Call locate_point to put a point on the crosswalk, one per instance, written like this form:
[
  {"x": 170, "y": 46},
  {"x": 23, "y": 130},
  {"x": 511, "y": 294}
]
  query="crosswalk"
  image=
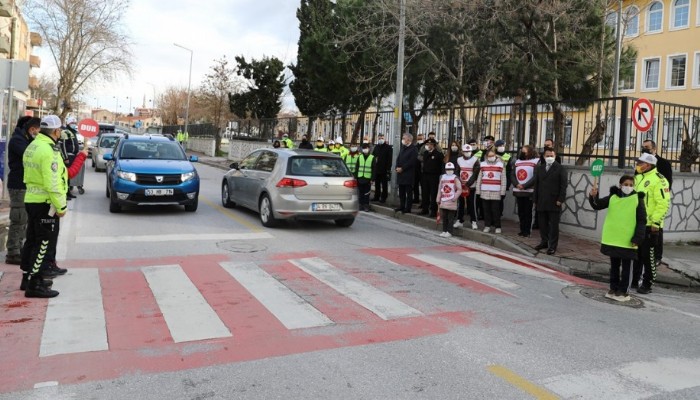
[{"x": 141, "y": 315}]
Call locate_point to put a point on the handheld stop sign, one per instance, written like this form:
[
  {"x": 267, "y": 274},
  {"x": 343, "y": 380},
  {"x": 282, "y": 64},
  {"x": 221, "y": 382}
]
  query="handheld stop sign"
[{"x": 88, "y": 127}]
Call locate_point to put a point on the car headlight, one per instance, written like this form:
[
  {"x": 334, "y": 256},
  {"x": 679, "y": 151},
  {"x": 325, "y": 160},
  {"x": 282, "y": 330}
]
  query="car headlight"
[
  {"x": 188, "y": 176},
  {"x": 127, "y": 176}
]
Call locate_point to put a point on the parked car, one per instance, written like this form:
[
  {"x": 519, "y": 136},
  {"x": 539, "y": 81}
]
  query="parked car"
[
  {"x": 91, "y": 143},
  {"x": 150, "y": 170},
  {"x": 105, "y": 144},
  {"x": 283, "y": 184}
]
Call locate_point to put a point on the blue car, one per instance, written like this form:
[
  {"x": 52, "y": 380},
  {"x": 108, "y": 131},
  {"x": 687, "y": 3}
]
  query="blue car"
[{"x": 150, "y": 170}]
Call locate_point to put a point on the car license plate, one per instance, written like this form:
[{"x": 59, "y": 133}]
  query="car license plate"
[
  {"x": 159, "y": 192},
  {"x": 325, "y": 207}
]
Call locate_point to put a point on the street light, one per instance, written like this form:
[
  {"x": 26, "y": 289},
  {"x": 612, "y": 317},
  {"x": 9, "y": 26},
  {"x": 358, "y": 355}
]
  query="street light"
[
  {"x": 398, "y": 111},
  {"x": 116, "y": 109},
  {"x": 189, "y": 83},
  {"x": 154, "y": 95}
]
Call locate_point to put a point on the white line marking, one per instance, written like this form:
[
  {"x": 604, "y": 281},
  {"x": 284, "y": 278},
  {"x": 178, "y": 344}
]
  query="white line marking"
[
  {"x": 1, "y": 273},
  {"x": 67, "y": 233},
  {"x": 75, "y": 320},
  {"x": 188, "y": 315},
  {"x": 655, "y": 304},
  {"x": 466, "y": 271},
  {"x": 290, "y": 309},
  {"x": 503, "y": 264},
  {"x": 173, "y": 237},
  {"x": 369, "y": 297},
  {"x": 45, "y": 384},
  {"x": 667, "y": 374}
]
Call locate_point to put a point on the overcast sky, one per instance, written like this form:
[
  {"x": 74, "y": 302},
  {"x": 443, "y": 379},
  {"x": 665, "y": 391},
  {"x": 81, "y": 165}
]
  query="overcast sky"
[{"x": 211, "y": 28}]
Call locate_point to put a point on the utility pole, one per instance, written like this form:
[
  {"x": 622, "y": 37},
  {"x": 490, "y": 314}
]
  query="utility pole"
[
  {"x": 398, "y": 106},
  {"x": 618, "y": 48}
]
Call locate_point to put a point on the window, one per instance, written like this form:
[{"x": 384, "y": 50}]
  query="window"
[
  {"x": 680, "y": 14},
  {"x": 266, "y": 162},
  {"x": 611, "y": 21},
  {"x": 627, "y": 82},
  {"x": 632, "y": 21},
  {"x": 504, "y": 128},
  {"x": 651, "y": 74},
  {"x": 673, "y": 133},
  {"x": 655, "y": 17},
  {"x": 676, "y": 71},
  {"x": 696, "y": 74},
  {"x": 317, "y": 166},
  {"x": 249, "y": 161}
]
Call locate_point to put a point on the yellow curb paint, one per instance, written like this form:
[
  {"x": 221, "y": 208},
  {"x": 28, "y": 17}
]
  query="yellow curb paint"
[
  {"x": 522, "y": 383},
  {"x": 233, "y": 216}
]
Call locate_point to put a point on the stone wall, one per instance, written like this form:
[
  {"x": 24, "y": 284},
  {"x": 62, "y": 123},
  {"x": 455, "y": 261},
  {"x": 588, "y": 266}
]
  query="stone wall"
[
  {"x": 237, "y": 149},
  {"x": 206, "y": 146},
  {"x": 578, "y": 217}
]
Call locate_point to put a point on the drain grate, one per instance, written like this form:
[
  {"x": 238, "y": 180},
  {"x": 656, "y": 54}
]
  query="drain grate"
[
  {"x": 599, "y": 295},
  {"x": 235, "y": 246}
]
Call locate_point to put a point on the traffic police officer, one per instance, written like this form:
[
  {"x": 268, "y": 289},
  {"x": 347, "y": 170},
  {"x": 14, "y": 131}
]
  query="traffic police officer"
[
  {"x": 288, "y": 141},
  {"x": 351, "y": 158},
  {"x": 657, "y": 198},
  {"x": 46, "y": 178}
]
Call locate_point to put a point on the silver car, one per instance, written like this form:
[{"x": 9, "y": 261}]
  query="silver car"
[
  {"x": 105, "y": 144},
  {"x": 284, "y": 184}
]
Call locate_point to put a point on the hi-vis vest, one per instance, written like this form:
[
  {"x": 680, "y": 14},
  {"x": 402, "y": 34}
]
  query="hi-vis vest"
[
  {"x": 351, "y": 162},
  {"x": 618, "y": 228},
  {"x": 448, "y": 188},
  {"x": 365, "y": 166},
  {"x": 491, "y": 176},
  {"x": 321, "y": 149},
  {"x": 524, "y": 172},
  {"x": 466, "y": 168}
]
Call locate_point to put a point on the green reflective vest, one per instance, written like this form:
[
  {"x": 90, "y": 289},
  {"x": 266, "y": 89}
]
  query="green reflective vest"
[
  {"x": 289, "y": 142},
  {"x": 321, "y": 149},
  {"x": 351, "y": 162},
  {"x": 619, "y": 225},
  {"x": 45, "y": 173},
  {"x": 365, "y": 167},
  {"x": 505, "y": 157},
  {"x": 657, "y": 196}
]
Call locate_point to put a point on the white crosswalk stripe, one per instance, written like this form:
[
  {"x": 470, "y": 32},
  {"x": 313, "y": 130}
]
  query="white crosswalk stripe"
[
  {"x": 466, "y": 271},
  {"x": 290, "y": 309},
  {"x": 75, "y": 320},
  {"x": 507, "y": 265},
  {"x": 378, "y": 302},
  {"x": 188, "y": 315}
]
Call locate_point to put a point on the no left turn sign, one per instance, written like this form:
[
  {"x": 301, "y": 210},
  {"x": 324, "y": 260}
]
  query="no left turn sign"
[{"x": 642, "y": 115}]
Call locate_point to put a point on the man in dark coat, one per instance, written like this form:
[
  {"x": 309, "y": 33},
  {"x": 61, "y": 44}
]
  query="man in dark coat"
[
  {"x": 305, "y": 144},
  {"x": 432, "y": 169},
  {"x": 405, "y": 173},
  {"x": 550, "y": 193},
  {"x": 383, "y": 152},
  {"x": 665, "y": 169}
]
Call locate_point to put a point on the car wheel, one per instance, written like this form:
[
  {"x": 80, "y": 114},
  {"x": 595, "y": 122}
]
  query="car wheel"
[
  {"x": 267, "y": 217},
  {"x": 193, "y": 206},
  {"x": 107, "y": 190},
  {"x": 93, "y": 164},
  {"x": 346, "y": 222},
  {"x": 226, "y": 196},
  {"x": 114, "y": 207}
]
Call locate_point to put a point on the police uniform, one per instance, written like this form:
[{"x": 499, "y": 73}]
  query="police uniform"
[
  {"x": 46, "y": 177},
  {"x": 364, "y": 171}
]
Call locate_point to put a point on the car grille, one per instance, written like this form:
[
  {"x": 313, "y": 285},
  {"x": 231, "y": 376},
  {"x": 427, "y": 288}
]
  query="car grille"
[{"x": 150, "y": 179}]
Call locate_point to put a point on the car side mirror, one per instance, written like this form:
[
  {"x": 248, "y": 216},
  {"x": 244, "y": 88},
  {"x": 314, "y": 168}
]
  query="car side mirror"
[
  {"x": 108, "y": 157},
  {"x": 194, "y": 158},
  {"x": 233, "y": 165}
]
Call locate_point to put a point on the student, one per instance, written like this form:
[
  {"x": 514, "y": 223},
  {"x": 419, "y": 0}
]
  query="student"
[
  {"x": 621, "y": 237},
  {"x": 449, "y": 191}
]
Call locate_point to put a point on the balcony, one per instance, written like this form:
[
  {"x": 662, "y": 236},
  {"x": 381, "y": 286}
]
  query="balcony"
[
  {"x": 4, "y": 44},
  {"x": 35, "y": 61},
  {"x": 35, "y": 39},
  {"x": 6, "y": 8},
  {"x": 33, "y": 82}
]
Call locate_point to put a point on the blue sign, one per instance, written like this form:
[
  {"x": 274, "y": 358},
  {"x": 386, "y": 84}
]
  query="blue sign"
[{"x": 138, "y": 124}]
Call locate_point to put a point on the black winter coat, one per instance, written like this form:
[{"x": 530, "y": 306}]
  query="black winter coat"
[
  {"x": 18, "y": 144},
  {"x": 407, "y": 161},
  {"x": 433, "y": 163},
  {"x": 639, "y": 229},
  {"x": 550, "y": 187},
  {"x": 382, "y": 158}
]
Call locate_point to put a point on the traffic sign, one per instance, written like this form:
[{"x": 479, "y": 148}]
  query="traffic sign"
[
  {"x": 597, "y": 168},
  {"x": 642, "y": 115},
  {"x": 88, "y": 127}
]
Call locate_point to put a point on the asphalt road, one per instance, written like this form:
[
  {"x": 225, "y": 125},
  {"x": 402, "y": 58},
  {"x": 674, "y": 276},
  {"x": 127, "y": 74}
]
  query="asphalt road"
[{"x": 163, "y": 303}]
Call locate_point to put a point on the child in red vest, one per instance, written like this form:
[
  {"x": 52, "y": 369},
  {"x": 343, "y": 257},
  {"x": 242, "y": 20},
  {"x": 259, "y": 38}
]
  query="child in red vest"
[{"x": 449, "y": 191}]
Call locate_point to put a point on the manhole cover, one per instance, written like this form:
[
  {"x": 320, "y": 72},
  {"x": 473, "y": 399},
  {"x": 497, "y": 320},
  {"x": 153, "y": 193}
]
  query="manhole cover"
[
  {"x": 241, "y": 247},
  {"x": 599, "y": 295}
]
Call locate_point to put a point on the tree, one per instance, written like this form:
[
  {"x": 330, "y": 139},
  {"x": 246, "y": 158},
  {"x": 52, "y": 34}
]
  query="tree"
[
  {"x": 262, "y": 97},
  {"x": 172, "y": 103},
  {"x": 86, "y": 40},
  {"x": 212, "y": 96},
  {"x": 46, "y": 90}
]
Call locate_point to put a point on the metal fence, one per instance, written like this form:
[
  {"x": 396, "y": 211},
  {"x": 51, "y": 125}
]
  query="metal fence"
[
  {"x": 194, "y": 130},
  {"x": 571, "y": 124}
]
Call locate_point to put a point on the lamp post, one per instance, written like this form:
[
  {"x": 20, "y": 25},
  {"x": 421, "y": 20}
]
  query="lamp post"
[
  {"x": 116, "y": 109},
  {"x": 189, "y": 83},
  {"x": 398, "y": 110},
  {"x": 129, "y": 112}
]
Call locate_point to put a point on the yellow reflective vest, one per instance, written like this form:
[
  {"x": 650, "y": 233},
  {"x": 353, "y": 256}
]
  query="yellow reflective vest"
[
  {"x": 45, "y": 173},
  {"x": 657, "y": 196}
]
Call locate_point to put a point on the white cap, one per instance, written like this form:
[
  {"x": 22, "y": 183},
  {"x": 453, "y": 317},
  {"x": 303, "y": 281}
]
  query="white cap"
[
  {"x": 71, "y": 120},
  {"x": 647, "y": 158},
  {"x": 51, "y": 122},
  {"x": 331, "y": 142},
  {"x": 339, "y": 140},
  {"x": 467, "y": 147},
  {"x": 449, "y": 165},
  {"x": 320, "y": 139}
]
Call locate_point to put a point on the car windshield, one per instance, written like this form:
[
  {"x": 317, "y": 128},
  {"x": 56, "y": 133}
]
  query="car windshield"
[
  {"x": 152, "y": 150},
  {"x": 317, "y": 166},
  {"x": 108, "y": 142}
]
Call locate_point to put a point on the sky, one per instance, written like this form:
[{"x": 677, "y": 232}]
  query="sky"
[{"x": 211, "y": 28}]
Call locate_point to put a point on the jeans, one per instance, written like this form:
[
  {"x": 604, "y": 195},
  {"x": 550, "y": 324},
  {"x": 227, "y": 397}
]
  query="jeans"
[{"x": 18, "y": 222}]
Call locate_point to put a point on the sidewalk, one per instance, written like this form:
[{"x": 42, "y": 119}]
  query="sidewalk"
[{"x": 575, "y": 255}]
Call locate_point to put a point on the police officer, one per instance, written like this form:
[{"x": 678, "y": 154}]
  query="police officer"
[
  {"x": 320, "y": 145},
  {"x": 69, "y": 146},
  {"x": 351, "y": 159},
  {"x": 657, "y": 199},
  {"x": 288, "y": 141},
  {"x": 365, "y": 165},
  {"x": 46, "y": 178}
]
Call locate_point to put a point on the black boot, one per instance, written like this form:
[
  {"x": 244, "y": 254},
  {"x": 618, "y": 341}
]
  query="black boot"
[
  {"x": 42, "y": 282},
  {"x": 56, "y": 269},
  {"x": 35, "y": 289}
]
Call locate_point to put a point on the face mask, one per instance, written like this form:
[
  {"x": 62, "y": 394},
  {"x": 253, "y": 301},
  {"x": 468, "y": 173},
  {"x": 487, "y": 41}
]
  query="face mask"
[
  {"x": 380, "y": 141},
  {"x": 365, "y": 151},
  {"x": 429, "y": 148},
  {"x": 501, "y": 149},
  {"x": 455, "y": 148},
  {"x": 487, "y": 144},
  {"x": 492, "y": 159},
  {"x": 549, "y": 160},
  {"x": 523, "y": 156},
  {"x": 74, "y": 126},
  {"x": 420, "y": 141},
  {"x": 647, "y": 151},
  {"x": 304, "y": 140},
  {"x": 639, "y": 169},
  {"x": 627, "y": 189},
  {"x": 450, "y": 172},
  {"x": 353, "y": 149},
  {"x": 467, "y": 154}
]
